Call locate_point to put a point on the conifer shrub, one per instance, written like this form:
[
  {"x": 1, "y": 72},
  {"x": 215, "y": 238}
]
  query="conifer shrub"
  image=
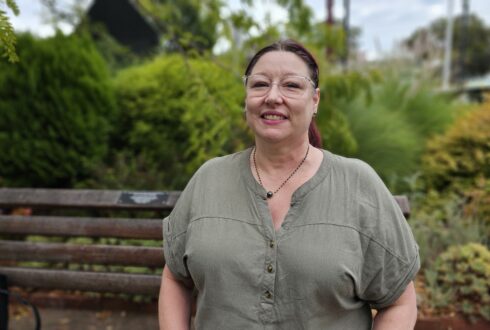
[
  {"x": 458, "y": 161},
  {"x": 56, "y": 105},
  {"x": 462, "y": 154}
]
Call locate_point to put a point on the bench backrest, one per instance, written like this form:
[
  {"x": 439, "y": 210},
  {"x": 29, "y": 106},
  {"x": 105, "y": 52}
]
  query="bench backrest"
[{"x": 14, "y": 248}]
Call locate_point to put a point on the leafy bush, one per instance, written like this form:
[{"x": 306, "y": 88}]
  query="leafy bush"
[
  {"x": 439, "y": 221},
  {"x": 55, "y": 109},
  {"x": 175, "y": 114},
  {"x": 459, "y": 161},
  {"x": 459, "y": 281},
  {"x": 461, "y": 155}
]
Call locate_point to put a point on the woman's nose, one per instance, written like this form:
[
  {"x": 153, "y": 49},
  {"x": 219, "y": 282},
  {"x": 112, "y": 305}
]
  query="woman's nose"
[{"x": 274, "y": 94}]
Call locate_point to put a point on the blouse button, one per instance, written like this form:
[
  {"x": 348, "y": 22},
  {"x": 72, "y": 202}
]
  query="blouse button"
[
  {"x": 270, "y": 269},
  {"x": 271, "y": 244},
  {"x": 268, "y": 294}
]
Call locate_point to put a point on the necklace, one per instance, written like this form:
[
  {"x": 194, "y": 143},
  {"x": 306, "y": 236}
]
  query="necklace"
[{"x": 271, "y": 193}]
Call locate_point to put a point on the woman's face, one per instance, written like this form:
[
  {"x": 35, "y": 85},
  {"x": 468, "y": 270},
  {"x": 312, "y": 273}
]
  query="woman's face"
[{"x": 281, "y": 99}]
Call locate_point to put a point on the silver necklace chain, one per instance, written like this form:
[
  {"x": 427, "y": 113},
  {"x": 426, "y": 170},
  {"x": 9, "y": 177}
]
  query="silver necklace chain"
[{"x": 272, "y": 193}]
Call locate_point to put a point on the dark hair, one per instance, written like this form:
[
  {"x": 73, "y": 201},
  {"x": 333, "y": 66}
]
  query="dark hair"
[{"x": 296, "y": 48}]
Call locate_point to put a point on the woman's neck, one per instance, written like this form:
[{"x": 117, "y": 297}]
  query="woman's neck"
[{"x": 274, "y": 157}]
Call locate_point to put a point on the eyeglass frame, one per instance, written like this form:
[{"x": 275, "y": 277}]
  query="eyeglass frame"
[{"x": 245, "y": 79}]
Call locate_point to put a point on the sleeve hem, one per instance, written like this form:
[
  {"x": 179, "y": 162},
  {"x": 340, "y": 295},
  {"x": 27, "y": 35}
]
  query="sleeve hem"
[
  {"x": 168, "y": 252},
  {"x": 393, "y": 296}
]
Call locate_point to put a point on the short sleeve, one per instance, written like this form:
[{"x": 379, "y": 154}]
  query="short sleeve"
[
  {"x": 174, "y": 250},
  {"x": 174, "y": 233},
  {"x": 390, "y": 258}
]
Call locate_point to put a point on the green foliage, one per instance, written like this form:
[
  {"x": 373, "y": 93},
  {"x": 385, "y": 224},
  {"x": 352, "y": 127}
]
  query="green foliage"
[
  {"x": 7, "y": 35},
  {"x": 187, "y": 25},
  {"x": 116, "y": 55},
  {"x": 439, "y": 221},
  {"x": 55, "y": 109},
  {"x": 175, "y": 114},
  {"x": 460, "y": 279},
  {"x": 59, "y": 13},
  {"x": 391, "y": 125},
  {"x": 459, "y": 161},
  {"x": 462, "y": 154},
  {"x": 334, "y": 125},
  {"x": 300, "y": 16}
]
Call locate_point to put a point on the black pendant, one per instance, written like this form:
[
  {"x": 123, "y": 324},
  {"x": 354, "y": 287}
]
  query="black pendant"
[{"x": 269, "y": 194}]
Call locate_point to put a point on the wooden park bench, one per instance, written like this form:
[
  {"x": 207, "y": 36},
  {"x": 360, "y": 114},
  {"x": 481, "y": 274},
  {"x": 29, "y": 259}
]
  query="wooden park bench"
[
  {"x": 56, "y": 213},
  {"x": 69, "y": 214}
]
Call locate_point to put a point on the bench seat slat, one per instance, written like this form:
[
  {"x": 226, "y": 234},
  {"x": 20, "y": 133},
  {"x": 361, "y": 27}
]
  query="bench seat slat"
[
  {"x": 85, "y": 254},
  {"x": 77, "y": 226},
  {"x": 87, "y": 199},
  {"x": 84, "y": 281}
]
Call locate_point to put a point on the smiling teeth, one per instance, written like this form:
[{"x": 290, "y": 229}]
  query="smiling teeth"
[{"x": 273, "y": 117}]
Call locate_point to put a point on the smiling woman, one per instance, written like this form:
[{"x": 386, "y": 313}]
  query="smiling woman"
[{"x": 285, "y": 235}]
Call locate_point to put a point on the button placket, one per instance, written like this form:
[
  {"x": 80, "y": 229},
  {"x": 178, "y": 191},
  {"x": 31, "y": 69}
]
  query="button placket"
[
  {"x": 267, "y": 292},
  {"x": 269, "y": 271}
]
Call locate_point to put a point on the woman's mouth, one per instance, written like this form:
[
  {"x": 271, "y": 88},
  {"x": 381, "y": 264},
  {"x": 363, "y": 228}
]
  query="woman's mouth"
[{"x": 273, "y": 117}]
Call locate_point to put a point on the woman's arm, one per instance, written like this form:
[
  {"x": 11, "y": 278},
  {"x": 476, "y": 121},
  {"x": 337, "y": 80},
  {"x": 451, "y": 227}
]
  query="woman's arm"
[
  {"x": 174, "y": 303},
  {"x": 402, "y": 315}
]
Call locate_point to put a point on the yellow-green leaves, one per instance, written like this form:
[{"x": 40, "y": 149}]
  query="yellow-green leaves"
[{"x": 7, "y": 34}]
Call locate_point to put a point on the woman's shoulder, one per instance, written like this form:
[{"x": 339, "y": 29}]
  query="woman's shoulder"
[
  {"x": 222, "y": 166},
  {"x": 343, "y": 165}
]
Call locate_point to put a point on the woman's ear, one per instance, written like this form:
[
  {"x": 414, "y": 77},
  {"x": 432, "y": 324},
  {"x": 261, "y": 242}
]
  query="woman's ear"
[
  {"x": 316, "y": 100},
  {"x": 316, "y": 96}
]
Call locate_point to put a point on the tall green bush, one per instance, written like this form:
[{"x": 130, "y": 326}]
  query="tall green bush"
[
  {"x": 56, "y": 105},
  {"x": 175, "y": 114}
]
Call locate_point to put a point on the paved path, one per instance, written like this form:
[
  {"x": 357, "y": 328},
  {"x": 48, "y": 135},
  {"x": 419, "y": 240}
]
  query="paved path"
[{"x": 21, "y": 318}]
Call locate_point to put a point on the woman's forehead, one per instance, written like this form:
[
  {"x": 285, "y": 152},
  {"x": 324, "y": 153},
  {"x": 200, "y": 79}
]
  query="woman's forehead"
[{"x": 280, "y": 63}]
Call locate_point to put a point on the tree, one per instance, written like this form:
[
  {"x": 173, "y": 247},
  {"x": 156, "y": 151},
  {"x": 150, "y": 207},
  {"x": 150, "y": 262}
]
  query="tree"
[
  {"x": 71, "y": 14},
  {"x": 426, "y": 42},
  {"x": 7, "y": 35},
  {"x": 186, "y": 24}
]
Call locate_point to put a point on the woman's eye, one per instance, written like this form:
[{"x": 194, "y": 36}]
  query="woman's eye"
[
  {"x": 292, "y": 85},
  {"x": 259, "y": 84}
]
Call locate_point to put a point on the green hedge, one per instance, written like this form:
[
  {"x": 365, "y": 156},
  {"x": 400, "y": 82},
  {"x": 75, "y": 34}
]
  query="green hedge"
[
  {"x": 55, "y": 109},
  {"x": 175, "y": 114}
]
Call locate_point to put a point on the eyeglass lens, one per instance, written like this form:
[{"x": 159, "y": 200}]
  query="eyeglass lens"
[{"x": 290, "y": 86}]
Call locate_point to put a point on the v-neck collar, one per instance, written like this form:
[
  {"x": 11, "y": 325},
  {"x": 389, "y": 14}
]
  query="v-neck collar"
[{"x": 300, "y": 193}]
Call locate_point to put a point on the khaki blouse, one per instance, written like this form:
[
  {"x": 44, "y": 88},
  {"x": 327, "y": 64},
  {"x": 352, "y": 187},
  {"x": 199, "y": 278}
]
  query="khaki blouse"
[{"x": 343, "y": 248}]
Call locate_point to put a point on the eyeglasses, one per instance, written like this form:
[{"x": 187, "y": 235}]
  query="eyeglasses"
[{"x": 290, "y": 86}]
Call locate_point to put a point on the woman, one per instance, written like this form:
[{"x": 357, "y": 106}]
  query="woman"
[{"x": 285, "y": 235}]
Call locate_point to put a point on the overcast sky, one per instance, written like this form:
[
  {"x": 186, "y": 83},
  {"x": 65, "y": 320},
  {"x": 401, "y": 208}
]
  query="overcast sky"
[{"x": 383, "y": 22}]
